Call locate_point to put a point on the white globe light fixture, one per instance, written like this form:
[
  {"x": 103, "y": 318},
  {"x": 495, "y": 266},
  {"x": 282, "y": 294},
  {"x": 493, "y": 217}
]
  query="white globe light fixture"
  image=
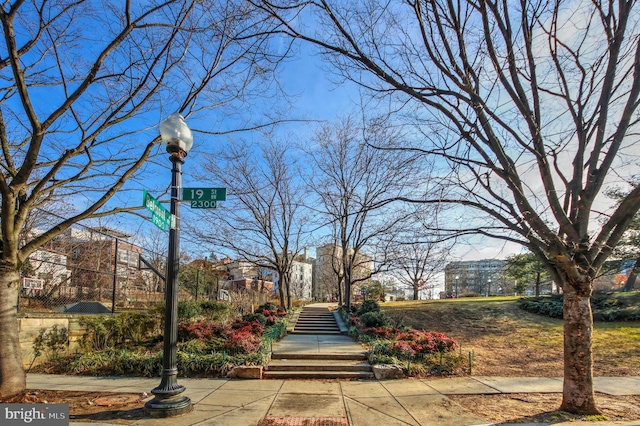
[{"x": 176, "y": 135}]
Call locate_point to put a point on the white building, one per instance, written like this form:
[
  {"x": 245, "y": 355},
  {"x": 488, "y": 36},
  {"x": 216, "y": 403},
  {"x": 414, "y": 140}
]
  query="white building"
[
  {"x": 301, "y": 280},
  {"x": 48, "y": 272}
]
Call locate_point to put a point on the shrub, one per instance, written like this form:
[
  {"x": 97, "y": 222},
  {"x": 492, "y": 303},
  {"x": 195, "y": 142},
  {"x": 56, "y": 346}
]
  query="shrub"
[
  {"x": 548, "y": 305},
  {"x": 193, "y": 347},
  {"x": 216, "y": 311},
  {"x": 403, "y": 348},
  {"x": 255, "y": 317},
  {"x": 272, "y": 317},
  {"x": 381, "y": 333},
  {"x": 240, "y": 337},
  {"x": 137, "y": 326},
  {"x": 606, "y": 307},
  {"x": 123, "y": 362},
  {"x": 428, "y": 342},
  {"x": 52, "y": 342},
  {"x": 254, "y": 326},
  {"x": 414, "y": 344},
  {"x": 375, "y": 319},
  {"x": 201, "y": 330},
  {"x": 113, "y": 330},
  {"x": 188, "y": 309},
  {"x": 469, "y": 295},
  {"x": 245, "y": 338},
  {"x": 369, "y": 305},
  {"x": 269, "y": 306}
]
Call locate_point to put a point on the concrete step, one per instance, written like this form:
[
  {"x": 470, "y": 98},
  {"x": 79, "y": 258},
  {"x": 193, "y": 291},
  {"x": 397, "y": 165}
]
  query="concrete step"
[
  {"x": 317, "y": 330},
  {"x": 316, "y": 324},
  {"x": 319, "y": 356},
  {"x": 316, "y": 318},
  {"x": 320, "y": 319},
  {"x": 316, "y": 327},
  {"x": 360, "y": 375},
  {"x": 318, "y": 365}
]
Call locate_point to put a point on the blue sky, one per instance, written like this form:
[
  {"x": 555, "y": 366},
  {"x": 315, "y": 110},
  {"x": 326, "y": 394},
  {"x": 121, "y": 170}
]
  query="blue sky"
[{"x": 315, "y": 97}]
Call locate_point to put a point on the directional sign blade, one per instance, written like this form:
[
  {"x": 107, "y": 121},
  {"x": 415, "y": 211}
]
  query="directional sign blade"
[
  {"x": 204, "y": 194},
  {"x": 161, "y": 217}
]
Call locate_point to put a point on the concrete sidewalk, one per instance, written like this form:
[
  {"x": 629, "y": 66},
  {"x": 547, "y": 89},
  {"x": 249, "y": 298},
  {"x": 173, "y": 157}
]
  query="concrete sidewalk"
[{"x": 348, "y": 403}]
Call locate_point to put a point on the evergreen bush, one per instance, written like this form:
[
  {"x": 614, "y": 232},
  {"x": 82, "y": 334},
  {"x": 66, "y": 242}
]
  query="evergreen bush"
[
  {"x": 368, "y": 305},
  {"x": 375, "y": 319}
]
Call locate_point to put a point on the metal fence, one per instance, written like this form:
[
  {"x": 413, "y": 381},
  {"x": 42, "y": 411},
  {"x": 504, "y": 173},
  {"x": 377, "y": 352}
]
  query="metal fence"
[{"x": 97, "y": 270}]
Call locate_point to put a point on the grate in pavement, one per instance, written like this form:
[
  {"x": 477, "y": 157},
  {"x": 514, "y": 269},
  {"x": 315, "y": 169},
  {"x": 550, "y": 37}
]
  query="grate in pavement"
[{"x": 304, "y": 421}]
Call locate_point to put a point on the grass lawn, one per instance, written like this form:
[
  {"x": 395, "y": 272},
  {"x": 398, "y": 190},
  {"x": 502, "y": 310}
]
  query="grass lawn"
[{"x": 508, "y": 341}]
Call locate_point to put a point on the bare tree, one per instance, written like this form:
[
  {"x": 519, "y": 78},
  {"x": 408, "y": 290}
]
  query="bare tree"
[
  {"x": 416, "y": 253},
  {"x": 263, "y": 220},
  {"x": 352, "y": 179},
  {"x": 418, "y": 262},
  {"x": 84, "y": 86},
  {"x": 534, "y": 108}
]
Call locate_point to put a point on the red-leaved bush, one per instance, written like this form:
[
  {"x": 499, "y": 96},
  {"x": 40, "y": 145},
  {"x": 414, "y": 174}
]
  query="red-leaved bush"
[
  {"x": 381, "y": 332},
  {"x": 427, "y": 342},
  {"x": 243, "y": 336},
  {"x": 404, "y": 348},
  {"x": 272, "y": 316},
  {"x": 200, "y": 330}
]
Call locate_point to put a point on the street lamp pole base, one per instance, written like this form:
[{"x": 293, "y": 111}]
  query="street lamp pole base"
[{"x": 167, "y": 407}]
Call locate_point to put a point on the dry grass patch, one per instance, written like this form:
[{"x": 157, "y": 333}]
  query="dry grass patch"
[{"x": 508, "y": 341}]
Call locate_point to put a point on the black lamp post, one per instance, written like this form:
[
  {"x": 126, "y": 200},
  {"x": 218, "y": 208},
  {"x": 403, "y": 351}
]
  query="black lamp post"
[{"x": 168, "y": 399}]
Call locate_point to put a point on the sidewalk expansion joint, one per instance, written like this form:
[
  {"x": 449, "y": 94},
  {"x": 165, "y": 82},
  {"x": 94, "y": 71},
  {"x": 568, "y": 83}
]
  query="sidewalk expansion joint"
[{"x": 303, "y": 421}]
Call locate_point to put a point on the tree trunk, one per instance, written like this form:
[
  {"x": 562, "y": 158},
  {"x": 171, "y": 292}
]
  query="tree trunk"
[
  {"x": 281, "y": 294},
  {"x": 538, "y": 284},
  {"x": 288, "y": 287},
  {"x": 631, "y": 281},
  {"x": 13, "y": 379},
  {"x": 347, "y": 293},
  {"x": 415, "y": 292},
  {"x": 578, "y": 395}
]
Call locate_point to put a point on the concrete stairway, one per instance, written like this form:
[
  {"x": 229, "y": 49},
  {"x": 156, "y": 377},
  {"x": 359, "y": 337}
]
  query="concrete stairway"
[
  {"x": 317, "y": 350},
  {"x": 316, "y": 321}
]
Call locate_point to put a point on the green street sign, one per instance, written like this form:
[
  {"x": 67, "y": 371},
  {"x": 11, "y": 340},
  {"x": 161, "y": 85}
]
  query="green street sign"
[
  {"x": 203, "y": 204},
  {"x": 161, "y": 217},
  {"x": 204, "y": 194}
]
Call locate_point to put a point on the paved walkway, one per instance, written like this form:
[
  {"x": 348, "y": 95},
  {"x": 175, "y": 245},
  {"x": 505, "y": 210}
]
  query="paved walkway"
[
  {"x": 317, "y": 344},
  {"x": 418, "y": 402}
]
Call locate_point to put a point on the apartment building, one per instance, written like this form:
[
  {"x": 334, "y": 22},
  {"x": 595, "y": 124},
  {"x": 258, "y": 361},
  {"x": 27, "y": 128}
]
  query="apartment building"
[{"x": 482, "y": 277}]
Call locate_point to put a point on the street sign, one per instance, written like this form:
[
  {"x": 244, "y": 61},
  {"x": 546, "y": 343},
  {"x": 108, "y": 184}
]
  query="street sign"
[
  {"x": 204, "y": 194},
  {"x": 203, "y": 204},
  {"x": 160, "y": 217}
]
